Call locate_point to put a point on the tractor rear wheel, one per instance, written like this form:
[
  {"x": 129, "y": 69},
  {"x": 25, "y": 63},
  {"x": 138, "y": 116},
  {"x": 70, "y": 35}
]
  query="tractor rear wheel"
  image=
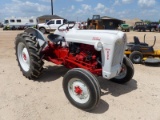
[
  {"x": 43, "y": 30},
  {"x": 126, "y": 73},
  {"x": 81, "y": 88},
  {"x": 28, "y": 55},
  {"x": 136, "y": 57}
]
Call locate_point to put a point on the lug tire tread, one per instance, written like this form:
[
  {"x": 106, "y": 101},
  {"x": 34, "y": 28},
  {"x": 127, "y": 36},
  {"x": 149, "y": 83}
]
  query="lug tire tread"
[
  {"x": 36, "y": 63},
  {"x": 93, "y": 84}
]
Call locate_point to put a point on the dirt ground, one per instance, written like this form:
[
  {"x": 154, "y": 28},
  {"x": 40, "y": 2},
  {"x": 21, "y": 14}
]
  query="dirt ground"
[{"x": 23, "y": 99}]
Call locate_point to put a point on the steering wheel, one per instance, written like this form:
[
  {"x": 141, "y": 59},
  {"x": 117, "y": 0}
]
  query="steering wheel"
[{"x": 68, "y": 27}]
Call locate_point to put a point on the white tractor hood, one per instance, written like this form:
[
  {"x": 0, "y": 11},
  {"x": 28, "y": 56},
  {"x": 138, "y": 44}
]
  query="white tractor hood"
[{"x": 92, "y": 36}]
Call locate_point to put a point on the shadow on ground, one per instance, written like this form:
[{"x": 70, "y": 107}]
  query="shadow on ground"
[
  {"x": 152, "y": 65},
  {"x": 109, "y": 87},
  {"x": 52, "y": 73},
  {"x": 102, "y": 107}
]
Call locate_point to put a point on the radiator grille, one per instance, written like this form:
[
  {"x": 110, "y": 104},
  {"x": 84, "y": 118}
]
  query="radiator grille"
[{"x": 118, "y": 52}]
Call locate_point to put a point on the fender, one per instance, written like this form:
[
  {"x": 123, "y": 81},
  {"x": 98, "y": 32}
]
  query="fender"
[{"x": 40, "y": 37}]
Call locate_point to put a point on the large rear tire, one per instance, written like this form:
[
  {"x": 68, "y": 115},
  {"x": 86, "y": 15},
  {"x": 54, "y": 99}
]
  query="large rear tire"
[
  {"x": 81, "y": 88},
  {"x": 126, "y": 73},
  {"x": 29, "y": 55}
]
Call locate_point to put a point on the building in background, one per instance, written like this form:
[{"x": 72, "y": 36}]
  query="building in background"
[
  {"x": 111, "y": 23},
  {"x": 46, "y": 18},
  {"x": 104, "y": 22}
]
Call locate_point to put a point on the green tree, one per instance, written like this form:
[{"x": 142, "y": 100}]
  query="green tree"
[{"x": 147, "y": 21}]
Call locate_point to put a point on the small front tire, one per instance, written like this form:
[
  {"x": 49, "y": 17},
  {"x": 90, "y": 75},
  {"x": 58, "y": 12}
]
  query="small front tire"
[
  {"x": 81, "y": 88},
  {"x": 126, "y": 73}
]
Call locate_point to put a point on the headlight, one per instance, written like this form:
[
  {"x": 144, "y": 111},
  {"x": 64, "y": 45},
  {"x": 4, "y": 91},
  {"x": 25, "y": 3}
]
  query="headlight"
[{"x": 98, "y": 46}]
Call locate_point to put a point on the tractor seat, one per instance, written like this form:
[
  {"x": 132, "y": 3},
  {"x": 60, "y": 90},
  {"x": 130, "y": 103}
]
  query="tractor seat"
[
  {"x": 55, "y": 38},
  {"x": 137, "y": 42}
]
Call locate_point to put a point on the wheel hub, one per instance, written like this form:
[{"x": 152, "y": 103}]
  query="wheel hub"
[
  {"x": 122, "y": 73},
  {"x": 137, "y": 58},
  {"x": 23, "y": 57},
  {"x": 122, "y": 70},
  {"x": 78, "y": 90}
]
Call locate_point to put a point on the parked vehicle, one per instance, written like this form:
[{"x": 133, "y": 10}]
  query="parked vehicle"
[
  {"x": 125, "y": 27},
  {"x": 141, "y": 52},
  {"x": 16, "y": 23},
  {"x": 140, "y": 26},
  {"x": 152, "y": 27},
  {"x": 88, "y": 53},
  {"x": 158, "y": 27},
  {"x": 1, "y": 25},
  {"x": 51, "y": 25},
  {"x": 95, "y": 23},
  {"x": 6, "y": 27}
]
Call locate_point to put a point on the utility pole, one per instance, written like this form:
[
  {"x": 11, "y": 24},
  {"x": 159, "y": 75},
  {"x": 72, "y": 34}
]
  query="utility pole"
[{"x": 52, "y": 6}]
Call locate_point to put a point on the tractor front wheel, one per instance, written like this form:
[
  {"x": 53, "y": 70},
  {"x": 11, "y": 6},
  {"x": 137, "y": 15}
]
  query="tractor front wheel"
[
  {"x": 136, "y": 57},
  {"x": 126, "y": 73},
  {"x": 81, "y": 88},
  {"x": 28, "y": 55}
]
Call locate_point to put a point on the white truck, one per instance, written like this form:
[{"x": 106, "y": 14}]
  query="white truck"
[{"x": 51, "y": 25}]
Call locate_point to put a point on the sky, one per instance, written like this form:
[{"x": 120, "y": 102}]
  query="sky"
[{"x": 81, "y": 10}]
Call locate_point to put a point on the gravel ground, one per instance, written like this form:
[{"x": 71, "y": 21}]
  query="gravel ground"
[{"x": 23, "y": 99}]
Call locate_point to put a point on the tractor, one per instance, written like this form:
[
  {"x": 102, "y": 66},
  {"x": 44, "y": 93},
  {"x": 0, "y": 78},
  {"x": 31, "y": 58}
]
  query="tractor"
[
  {"x": 95, "y": 23},
  {"x": 7, "y": 27},
  {"x": 87, "y": 53},
  {"x": 125, "y": 27},
  {"x": 141, "y": 52}
]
